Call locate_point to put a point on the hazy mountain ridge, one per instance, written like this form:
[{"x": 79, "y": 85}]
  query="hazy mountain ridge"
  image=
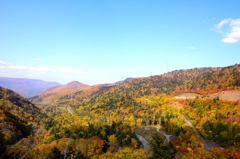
[{"x": 26, "y": 87}]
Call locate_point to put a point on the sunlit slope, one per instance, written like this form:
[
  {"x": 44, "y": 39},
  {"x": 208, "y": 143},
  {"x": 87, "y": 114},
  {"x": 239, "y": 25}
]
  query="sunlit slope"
[
  {"x": 199, "y": 80},
  {"x": 110, "y": 114},
  {"x": 69, "y": 92}
]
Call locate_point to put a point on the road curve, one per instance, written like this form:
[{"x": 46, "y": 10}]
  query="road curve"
[
  {"x": 167, "y": 136},
  {"x": 143, "y": 141}
]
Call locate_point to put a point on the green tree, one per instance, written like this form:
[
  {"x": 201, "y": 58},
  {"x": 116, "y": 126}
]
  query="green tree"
[
  {"x": 55, "y": 154},
  {"x": 162, "y": 149}
]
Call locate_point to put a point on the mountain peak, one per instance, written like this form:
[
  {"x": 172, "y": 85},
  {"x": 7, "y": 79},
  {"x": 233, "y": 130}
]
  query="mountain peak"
[
  {"x": 69, "y": 87},
  {"x": 75, "y": 84}
]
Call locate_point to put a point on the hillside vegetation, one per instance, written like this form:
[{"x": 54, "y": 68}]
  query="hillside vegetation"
[
  {"x": 16, "y": 117},
  {"x": 105, "y": 121}
]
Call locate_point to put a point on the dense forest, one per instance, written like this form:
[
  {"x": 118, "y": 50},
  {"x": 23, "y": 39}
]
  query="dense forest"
[{"x": 112, "y": 121}]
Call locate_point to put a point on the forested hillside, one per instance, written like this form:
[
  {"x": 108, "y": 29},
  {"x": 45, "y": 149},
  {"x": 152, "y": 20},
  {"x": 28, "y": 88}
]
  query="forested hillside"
[
  {"x": 199, "y": 80},
  {"x": 140, "y": 118},
  {"x": 16, "y": 117}
]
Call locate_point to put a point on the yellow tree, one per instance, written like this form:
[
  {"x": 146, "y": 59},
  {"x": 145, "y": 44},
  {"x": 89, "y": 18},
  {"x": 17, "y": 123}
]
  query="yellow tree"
[
  {"x": 113, "y": 143},
  {"x": 91, "y": 147}
]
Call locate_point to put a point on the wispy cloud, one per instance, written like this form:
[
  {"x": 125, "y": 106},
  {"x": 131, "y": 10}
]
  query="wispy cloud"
[
  {"x": 232, "y": 34},
  {"x": 21, "y": 67},
  {"x": 42, "y": 69},
  {"x": 208, "y": 20},
  {"x": 2, "y": 63},
  {"x": 38, "y": 59},
  {"x": 223, "y": 22}
]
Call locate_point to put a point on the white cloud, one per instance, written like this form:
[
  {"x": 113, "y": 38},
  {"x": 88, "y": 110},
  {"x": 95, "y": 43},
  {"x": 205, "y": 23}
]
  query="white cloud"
[
  {"x": 229, "y": 40},
  {"x": 42, "y": 69},
  {"x": 232, "y": 35},
  {"x": 38, "y": 59},
  {"x": 2, "y": 63},
  {"x": 223, "y": 22},
  {"x": 19, "y": 67}
]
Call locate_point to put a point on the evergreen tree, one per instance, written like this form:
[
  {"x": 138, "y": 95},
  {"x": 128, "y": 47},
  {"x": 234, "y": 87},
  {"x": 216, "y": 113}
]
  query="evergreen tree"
[
  {"x": 161, "y": 149},
  {"x": 55, "y": 154}
]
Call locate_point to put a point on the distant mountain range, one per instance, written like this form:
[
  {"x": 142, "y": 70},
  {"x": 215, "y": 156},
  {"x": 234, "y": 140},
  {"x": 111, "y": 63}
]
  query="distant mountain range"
[
  {"x": 26, "y": 87},
  {"x": 32, "y": 87}
]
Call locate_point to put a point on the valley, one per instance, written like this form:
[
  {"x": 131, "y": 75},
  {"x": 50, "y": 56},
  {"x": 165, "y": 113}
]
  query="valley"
[{"x": 191, "y": 113}]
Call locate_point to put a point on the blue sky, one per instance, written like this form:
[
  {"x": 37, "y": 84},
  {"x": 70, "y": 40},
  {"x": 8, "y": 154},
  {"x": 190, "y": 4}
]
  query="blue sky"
[{"x": 102, "y": 41}]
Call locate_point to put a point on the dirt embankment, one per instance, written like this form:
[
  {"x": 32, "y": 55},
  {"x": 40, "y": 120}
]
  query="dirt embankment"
[{"x": 231, "y": 95}]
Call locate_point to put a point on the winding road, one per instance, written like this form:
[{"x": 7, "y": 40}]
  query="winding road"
[
  {"x": 206, "y": 147},
  {"x": 167, "y": 136},
  {"x": 143, "y": 141},
  {"x": 207, "y": 144}
]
